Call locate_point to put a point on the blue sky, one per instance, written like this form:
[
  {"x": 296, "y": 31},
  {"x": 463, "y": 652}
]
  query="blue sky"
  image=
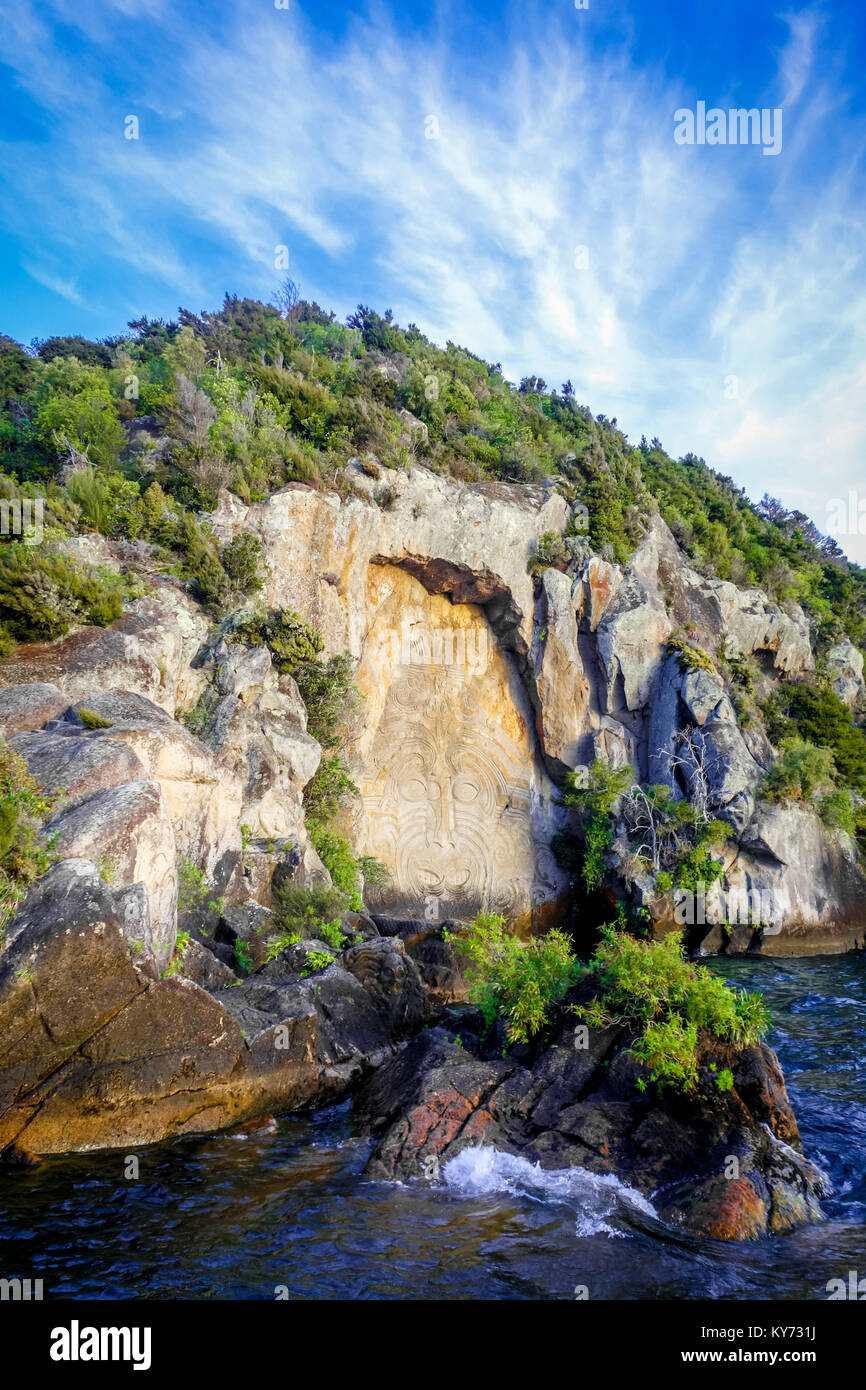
[{"x": 721, "y": 299}]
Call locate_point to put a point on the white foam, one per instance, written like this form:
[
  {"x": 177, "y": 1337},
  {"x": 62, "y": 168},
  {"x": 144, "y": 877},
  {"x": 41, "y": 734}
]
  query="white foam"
[{"x": 482, "y": 1171}]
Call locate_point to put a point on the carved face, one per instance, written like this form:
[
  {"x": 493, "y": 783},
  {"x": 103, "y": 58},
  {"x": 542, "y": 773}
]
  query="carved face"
[
  {"x": 448, "y": 808},
  {"x": 380, "y": 968}
]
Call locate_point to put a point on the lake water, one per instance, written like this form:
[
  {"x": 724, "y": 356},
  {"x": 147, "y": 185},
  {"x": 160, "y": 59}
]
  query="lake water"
[{"x": 238, "y": 1217}]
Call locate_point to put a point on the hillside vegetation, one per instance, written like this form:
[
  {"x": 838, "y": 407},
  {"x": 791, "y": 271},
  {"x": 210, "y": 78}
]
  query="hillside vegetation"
[{"x": 133, "y": 437}]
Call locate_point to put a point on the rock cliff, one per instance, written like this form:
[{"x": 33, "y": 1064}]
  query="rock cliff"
[{"x": 483, "y": 687}]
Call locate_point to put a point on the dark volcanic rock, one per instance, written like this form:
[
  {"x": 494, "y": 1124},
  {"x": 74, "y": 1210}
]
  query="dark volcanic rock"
[
  {"x": 350, "y": 1033},
  {"x": 430, "y": 1100},
  {"x": 249, "y": 923},
  {"x": 392, "y": 981},
  {"x": 436, "y": 961},
  {"x": 727, "y": 1165},
  {"x": 205, "y": 968}
]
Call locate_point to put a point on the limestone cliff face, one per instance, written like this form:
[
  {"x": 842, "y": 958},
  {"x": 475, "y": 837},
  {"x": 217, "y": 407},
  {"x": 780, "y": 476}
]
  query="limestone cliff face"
[
  {"x": 430, "y": 594},
  {"x": 482, "y": 687}
]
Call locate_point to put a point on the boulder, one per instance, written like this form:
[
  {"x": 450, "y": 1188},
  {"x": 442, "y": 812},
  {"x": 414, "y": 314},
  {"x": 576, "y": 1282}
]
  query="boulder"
[
  {"x": 240, "y": 671},
  {"x": 811, "y": 877},
  {"x": 25, "y": 707},
  {"x": 561, "y": 683},
  {"x": 204, "y": 967},
  {"x": 845, "y": 665},
  {"x": 595, "y": 589},
  {"x": 631, "y": 642},
  {"x": 732, "y": 773},
  {"x": 126, "y": 830},
  {"x": 249, "y": 923},
  {"x": 98, "y": 1054},
  {"x": 351, "y": 1034},
  {"x": 148, "y": 650},
  {"x": 72, "y": 762},
  {"x": 267, "y": 750},
  {"x": 132, "y": 905},
  {"x": 437, "y": 962},
  {"x": 703, "y": 694},
  {"x": 203, "y": 798}
]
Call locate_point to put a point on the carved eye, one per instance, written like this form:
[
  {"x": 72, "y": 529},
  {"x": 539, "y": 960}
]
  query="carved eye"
[
  {"x": 465, "y": 790},
  {"x": 416, "y": 789}
]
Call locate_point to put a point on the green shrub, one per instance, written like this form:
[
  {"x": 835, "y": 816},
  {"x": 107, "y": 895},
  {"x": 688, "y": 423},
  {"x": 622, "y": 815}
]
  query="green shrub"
[
  {"x": 91, "y": 720},
  {"x": 332, "y": 932},
  {"x": 42, "y": 594},
  {"x": 326, "y": 789},
  {"x": 742, "y": 672},
  {"x": 698, "y": 866},
  {"x": 175, "y": 965},
  {"x": 376, "y": 874},
  {"x": 800, "y": 773},
  {"x": 24, "y": 854},
  {"x": 194, "y": 891},
  {"x": 667, "y": 1049},
  {"x": 838, "y": 812},
  {"x": 107, "y": 870},
  {"x": 278, "y": 944},
  {"x": 105, "y": 499},
  {"x": 595, "y": 801},
  {"x": 285, "y": 633},
  {"x": 652, "y": 989},
  {"x": 691, "y": 657},
  {"x": 330, "y": 695},
  {"x": 316, "y": 961},
  {"x": 550, "y": 550},
  {"x": 240, "y": 560},
  {"x": 513, "y": 980},
  {"x": 306, "y": 910},
  {"x": 191, "y": 539},
  {"x": 814, "y": 714},
  {"x": 336, "y": 854},
  {"x": 243, "y": 956},
  {"x": 846, "y": 810},
  {"x": 76, "y": 409},
  {"x": 195, "y": 719}
]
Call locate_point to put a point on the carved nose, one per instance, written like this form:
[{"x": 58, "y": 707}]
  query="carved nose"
[{"x": 443, "y": 813}]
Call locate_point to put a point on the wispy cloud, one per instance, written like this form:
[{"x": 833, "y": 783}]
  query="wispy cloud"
[
  {"x": 66, "y": 289},
  {"x": 398, "y": 171}
]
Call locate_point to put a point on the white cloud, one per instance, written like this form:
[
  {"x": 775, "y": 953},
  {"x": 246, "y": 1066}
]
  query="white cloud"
[
  {"x": 67, "y": 289},
  {"x": 703, "y": 263}
]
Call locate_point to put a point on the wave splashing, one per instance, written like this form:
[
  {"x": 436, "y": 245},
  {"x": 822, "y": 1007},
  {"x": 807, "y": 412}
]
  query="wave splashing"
[{"x": 599, "y": 1198}]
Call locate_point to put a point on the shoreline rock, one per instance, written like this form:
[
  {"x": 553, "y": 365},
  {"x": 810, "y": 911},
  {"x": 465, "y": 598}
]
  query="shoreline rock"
[{"x": 729, "y": 1166}]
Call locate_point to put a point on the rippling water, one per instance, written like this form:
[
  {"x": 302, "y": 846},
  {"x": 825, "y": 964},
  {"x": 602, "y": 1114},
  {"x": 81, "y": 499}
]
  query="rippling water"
[{"x": 238, "y": 1217}]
